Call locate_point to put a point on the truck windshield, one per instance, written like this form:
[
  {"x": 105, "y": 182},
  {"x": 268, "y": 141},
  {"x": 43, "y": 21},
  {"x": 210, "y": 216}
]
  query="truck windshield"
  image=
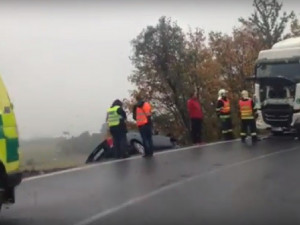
[{"x": 290, "y": 71}]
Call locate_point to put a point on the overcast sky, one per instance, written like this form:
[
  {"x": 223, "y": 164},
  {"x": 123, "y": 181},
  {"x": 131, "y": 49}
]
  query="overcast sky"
[{"x": 64, "y": 62}]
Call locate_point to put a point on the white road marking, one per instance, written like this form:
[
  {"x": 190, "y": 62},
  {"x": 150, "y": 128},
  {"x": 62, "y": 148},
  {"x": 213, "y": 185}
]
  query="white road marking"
[
  {"x": 136, "y": 200},
  {"x": 120, "y": 160}
]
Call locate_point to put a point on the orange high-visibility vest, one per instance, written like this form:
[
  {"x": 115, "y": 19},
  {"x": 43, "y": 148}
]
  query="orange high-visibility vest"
[
  {"x": 142, "y": 114},
  {"x": 226, "y": 107},
  {"x": 246, "y": 109}
]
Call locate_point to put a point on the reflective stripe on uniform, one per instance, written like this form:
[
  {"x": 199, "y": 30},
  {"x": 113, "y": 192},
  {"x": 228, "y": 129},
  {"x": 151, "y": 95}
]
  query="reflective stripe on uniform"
[
  {"x": 226, "y": 131},
  {"x": 248, "y": 118},
  {"x": 224, "y": 116}
]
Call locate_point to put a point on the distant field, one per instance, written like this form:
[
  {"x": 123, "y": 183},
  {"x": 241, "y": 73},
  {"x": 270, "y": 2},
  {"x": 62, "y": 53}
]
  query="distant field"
[{"x": 46, "y": 154}]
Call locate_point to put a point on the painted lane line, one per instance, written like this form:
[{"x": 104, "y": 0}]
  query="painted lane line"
[
  {"x": 86, "y": 167},
  {"x": 142, "y": 198}
]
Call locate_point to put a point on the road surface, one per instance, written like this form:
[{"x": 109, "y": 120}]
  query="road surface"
[{"x": 222, "y": 183}]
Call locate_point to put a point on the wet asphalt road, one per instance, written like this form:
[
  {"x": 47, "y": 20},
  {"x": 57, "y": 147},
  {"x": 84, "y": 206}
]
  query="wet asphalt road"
[{"x": 227, "y": 183}]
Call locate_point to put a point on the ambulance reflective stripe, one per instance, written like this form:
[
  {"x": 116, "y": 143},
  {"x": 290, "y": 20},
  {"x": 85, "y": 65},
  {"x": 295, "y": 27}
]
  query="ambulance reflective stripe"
[
  {"x": 113, "y": 116},
  {"x": 227, "y": 131},
  {"x": 246, "y": 109},
  {"x": 9, "y": 144}
]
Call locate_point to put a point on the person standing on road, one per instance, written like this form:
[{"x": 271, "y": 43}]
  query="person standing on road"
[
  {"x": 142, "y": 116},
  {"x": 196, "y": 117},
  {"x": 116, "y": 118},
  {"x": 224, "y": 113},
  {"x": 247, "y": 115}
]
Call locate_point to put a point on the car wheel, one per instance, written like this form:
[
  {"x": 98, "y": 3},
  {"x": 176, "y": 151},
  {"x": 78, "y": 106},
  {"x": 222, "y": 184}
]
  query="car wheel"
[
  {"x": 138, "y": 147},
  {"x": 99, "y": 156}
]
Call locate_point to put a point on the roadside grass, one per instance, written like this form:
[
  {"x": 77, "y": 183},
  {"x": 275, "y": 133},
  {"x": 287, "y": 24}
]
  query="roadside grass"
[{"x": 47, "y": 156}]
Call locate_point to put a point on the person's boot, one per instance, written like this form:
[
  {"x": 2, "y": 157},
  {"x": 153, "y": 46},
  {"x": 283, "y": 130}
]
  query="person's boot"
[
  {"x": 254, "y": 139},
  {"x": 229, "y": 136},
  {"x": 9, "y": 196},
  {"x": 125, "y": 155}
]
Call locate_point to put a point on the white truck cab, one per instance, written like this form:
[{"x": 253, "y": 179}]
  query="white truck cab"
[{"x": 277, "y": 86}]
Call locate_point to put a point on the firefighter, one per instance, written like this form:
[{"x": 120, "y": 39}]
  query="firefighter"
[
  {"x": 224, "y": 113},
  {"x": 142, "y": 116},
  {"x": 116, "y": 118},
  {"x": 247, "y": 115}
]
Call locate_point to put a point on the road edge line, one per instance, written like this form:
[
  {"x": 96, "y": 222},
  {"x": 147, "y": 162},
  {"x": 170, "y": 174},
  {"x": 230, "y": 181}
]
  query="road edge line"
[
  {"x": 142, "y": 198},
  {"x": 85, "y": 167}
]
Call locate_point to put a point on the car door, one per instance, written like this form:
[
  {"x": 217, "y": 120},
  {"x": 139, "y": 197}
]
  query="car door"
[{"x": 161, "y": 142}]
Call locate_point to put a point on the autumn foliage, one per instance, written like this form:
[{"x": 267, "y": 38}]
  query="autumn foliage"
[{"x": 170, "y": 64}]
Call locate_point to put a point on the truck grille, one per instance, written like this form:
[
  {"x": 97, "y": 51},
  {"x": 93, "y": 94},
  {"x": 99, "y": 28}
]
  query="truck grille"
[{"x": 278, "y": 115}]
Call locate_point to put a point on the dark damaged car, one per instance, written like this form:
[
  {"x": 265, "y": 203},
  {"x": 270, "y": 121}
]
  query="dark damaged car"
[{"x": 134, "y": 146}]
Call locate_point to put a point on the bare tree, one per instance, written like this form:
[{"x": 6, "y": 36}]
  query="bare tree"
[{"x": 267, "y": 21}]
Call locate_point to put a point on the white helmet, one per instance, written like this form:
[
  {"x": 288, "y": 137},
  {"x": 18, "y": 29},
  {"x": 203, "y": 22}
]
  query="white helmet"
[
  {"x": 222, "y": 92},
  {"x": 245, "y": 94}
]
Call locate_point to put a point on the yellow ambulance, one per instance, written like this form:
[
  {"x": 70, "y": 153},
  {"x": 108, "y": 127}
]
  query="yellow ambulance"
[{"x": 10, "y": 176}]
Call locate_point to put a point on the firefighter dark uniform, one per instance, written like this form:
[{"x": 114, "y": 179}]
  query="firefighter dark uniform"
[
  {"x": 224, "y": 113},
  {"x": 247, "y": 114}
]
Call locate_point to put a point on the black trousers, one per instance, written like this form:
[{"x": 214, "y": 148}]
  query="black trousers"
[
  {"x": 146, "y": 134},
  {"x": 120, "y": 142},
  {"x": 248, "y": 125},
  {"x": 9, "y": 194},
  {"x": 227, "y": 131},
  {"x": 196, "y": 131}
]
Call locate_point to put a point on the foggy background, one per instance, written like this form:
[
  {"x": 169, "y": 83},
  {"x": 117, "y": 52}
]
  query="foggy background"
[{"x": 64, "y": 62}]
